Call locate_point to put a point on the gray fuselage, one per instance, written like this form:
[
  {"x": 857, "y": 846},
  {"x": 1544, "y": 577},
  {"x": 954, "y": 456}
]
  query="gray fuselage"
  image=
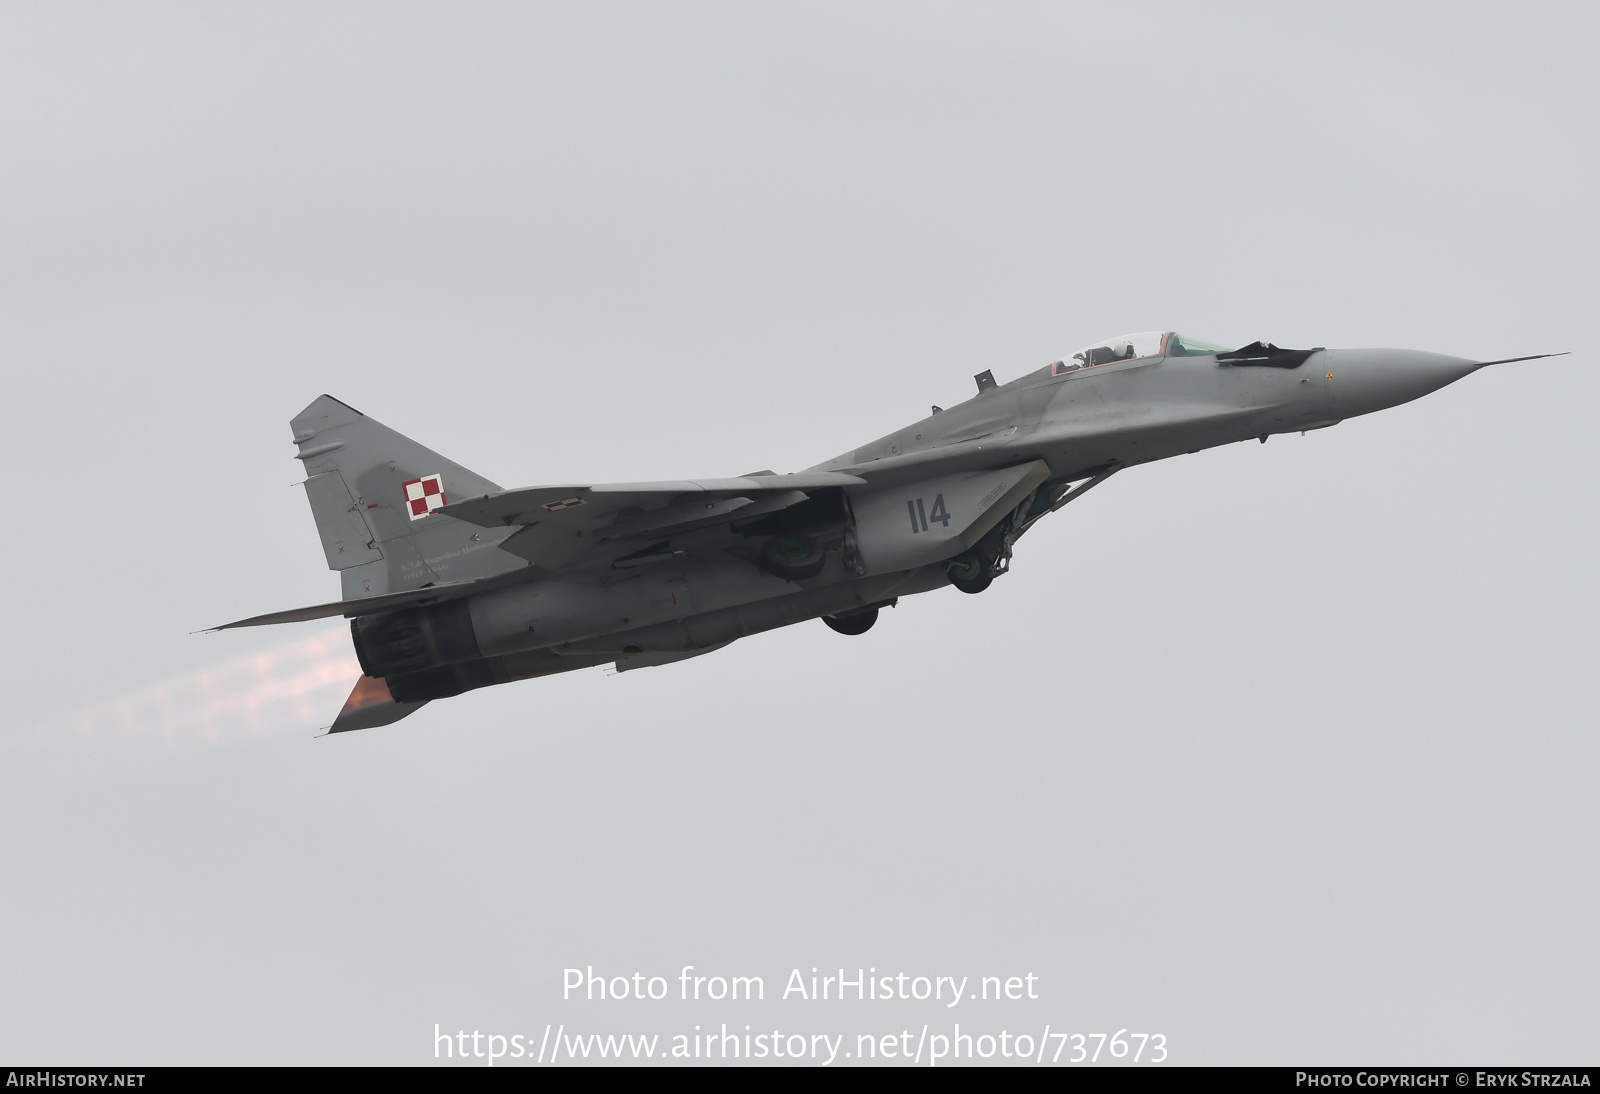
[{"x": 1007, "y": 455}]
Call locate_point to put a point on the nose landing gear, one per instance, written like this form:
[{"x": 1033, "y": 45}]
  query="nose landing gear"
[{"x": 970, "y": 572}]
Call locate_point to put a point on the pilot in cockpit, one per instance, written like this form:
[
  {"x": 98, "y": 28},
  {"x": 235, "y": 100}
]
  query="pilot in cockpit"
[{"x": 1120, "y": 350}]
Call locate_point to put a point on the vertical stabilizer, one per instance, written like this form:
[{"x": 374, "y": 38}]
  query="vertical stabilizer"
[{"x": 373, "y": 493}]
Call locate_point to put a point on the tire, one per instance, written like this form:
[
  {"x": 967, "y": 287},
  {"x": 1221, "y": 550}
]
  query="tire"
[
  {"x": 854, "y": 623},
  {"x": 970, "y": 572},
  {"x": 792, "y": 557}
]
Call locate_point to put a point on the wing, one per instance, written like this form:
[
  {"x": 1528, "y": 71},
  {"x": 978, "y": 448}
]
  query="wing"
[
  {"x": 561, "y": 525},
  {"x": 601, "y": 504},
  {"x": 566, "y": 525}
]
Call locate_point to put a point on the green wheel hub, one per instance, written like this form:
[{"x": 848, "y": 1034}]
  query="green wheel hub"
[{"x": 967, "y": 567}]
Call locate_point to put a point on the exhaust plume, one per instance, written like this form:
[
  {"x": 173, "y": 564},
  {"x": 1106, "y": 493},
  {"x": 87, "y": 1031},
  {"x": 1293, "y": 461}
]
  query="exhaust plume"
[{"x": 293, "y": 688}]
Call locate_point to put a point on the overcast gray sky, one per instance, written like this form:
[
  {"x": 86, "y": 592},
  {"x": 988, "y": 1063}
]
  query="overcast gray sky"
[{"x": 1286, "y": 752}]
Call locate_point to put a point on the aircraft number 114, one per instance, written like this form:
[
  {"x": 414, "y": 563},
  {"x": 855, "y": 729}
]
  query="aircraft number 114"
[{"x": 920, "y": 516}]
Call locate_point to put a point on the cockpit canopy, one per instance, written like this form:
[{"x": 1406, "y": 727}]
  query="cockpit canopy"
[
  {"x": 1126, "y": 347},
  {"x": 1132, "y": 347},
  {"x": 1180, "y": 345}
]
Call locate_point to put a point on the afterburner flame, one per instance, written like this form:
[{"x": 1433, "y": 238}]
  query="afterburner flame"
[{"x": 294, "y": 688}]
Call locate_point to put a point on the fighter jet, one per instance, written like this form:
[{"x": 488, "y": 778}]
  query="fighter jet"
[{"x": 452, "y": 583}]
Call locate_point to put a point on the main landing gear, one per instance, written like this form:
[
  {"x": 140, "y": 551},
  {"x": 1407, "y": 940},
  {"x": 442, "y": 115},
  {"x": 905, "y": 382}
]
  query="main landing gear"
[
  {"x": 855, "y": 623},
  {"x": 792, "y": 557}
]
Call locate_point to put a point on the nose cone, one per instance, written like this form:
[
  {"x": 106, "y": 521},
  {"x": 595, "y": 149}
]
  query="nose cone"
[{"x": 1364, "y": 380}]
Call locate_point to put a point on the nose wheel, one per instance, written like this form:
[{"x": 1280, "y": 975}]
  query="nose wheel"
[{"x": 970, "y": 572}]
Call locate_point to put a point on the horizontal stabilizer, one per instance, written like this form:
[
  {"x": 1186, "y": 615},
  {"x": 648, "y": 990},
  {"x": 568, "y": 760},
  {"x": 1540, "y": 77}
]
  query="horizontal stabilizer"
[
  {"x": 370, "y": 705},
  {"x": 383, "y": 602}
]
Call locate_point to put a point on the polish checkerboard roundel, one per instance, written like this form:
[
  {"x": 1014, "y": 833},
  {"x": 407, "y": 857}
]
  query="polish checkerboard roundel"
[{"x": 423, "y": 495}]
